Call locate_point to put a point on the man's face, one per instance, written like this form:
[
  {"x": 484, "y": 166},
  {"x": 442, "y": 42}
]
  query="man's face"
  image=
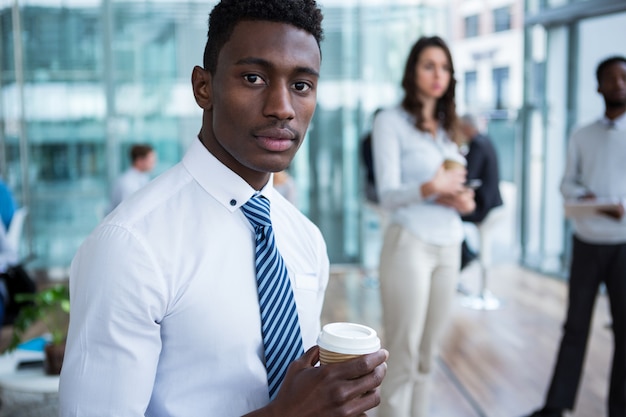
[
  {"x": 146, "y": 164},
  {"x": 613, "y": 84},
  {"x": 466, "y": 129},
  {"x": 262, "y": 98}
]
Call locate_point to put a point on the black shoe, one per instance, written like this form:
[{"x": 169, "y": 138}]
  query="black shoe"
[{"x": 547, "y": 412}]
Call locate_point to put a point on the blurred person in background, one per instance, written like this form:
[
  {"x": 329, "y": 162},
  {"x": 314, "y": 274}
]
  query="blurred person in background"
[
  {"x": 368, "y": 162},
  {"x": 7, "y": 204},
  {"x": 482, "y": 167},
  {"x": 143, "y": 159},
  {"x": 13, "y": 277},
  {"x": 420, "y": 256},
  {"x": 8, "y": 254},
  {"x": 595, "y": 169}
]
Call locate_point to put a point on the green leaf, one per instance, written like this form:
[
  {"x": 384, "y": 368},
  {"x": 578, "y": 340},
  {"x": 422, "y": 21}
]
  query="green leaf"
[{"x": 50, "y": 305}]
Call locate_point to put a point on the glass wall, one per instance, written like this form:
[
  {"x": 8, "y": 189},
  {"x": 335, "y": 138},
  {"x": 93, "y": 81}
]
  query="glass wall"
[
  {"x": 563, "y": 45},
  {"x": 81, "y": 80}
]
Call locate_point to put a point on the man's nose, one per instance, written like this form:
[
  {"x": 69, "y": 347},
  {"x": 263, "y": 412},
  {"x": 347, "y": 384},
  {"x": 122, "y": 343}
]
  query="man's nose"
[{"x": 279, "y": 102}]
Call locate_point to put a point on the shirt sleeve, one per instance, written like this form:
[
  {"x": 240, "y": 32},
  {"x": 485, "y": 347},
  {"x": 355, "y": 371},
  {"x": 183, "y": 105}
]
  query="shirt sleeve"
[
  {"x": 482, "y": 164},
  {"x": 476, "y": 166},
  {"x": 117, "y": 297},
  {"x": 387, "y": 154},
  {"x": 571, "y": 186}
]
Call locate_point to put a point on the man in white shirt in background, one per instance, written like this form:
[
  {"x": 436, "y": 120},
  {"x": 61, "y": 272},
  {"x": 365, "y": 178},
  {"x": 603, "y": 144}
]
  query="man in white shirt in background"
[
  {"x": 165, "y": 312},
  {"x": 596, "y": 168},
  {"x": 143, "y": 159}
]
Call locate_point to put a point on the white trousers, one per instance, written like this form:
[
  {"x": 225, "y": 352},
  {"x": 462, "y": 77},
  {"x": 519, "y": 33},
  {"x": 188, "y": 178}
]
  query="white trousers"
[{"x": 417, "y": 285}]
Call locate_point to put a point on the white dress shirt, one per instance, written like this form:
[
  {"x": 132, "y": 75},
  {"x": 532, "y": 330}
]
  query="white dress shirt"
[
  {"x": 404, "y": 159},
  {"x": 165, "y": 317},
  {"x": 596, "y": 163},
  {"x": 126, "y": 184}
]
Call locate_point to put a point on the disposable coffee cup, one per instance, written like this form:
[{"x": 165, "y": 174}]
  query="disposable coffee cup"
[
  {"x": 341, "y": 341},
  {"x": 453, "y": 164}
]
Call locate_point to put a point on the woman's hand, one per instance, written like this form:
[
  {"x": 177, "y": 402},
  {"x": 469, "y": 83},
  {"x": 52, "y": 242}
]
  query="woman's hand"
[
  {"x": 445, "y": 182},
  {"x": 463, "y": 201}
]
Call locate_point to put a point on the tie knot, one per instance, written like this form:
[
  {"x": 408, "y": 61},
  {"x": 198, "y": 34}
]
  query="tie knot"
[{"x": 257, "y": 210}]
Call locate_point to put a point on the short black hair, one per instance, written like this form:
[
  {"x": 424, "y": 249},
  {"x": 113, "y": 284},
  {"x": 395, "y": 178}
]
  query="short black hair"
[
  {"x": 303, "y": 14},
  {"x": 606, "y": 63},
  {"x": 139, "y": 151}
]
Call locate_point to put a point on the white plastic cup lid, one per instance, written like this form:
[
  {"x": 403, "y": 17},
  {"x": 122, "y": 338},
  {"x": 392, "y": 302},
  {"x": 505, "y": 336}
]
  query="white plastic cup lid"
[{"x": 350, "y": 338}]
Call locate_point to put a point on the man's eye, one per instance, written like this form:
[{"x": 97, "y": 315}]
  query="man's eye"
[
  {"x": 253, "y": 79},
  {"x": 302, "y": 86}
]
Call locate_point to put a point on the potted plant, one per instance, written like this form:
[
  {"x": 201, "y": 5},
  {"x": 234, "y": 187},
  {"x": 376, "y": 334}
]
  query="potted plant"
[{"x": 51, "y": 306}]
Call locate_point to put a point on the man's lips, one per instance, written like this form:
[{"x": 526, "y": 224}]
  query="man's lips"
[
  {"x": 276, "y": 133},
  {"x": 276, "y": 140}
]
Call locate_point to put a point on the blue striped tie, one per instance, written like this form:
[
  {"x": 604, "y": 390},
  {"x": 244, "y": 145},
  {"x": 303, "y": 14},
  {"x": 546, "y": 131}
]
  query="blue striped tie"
[{"x": 279, "y": 317}]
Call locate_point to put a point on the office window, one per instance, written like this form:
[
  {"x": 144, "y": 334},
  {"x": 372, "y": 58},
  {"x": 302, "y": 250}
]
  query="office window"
[
  {"x": 471, "y": 26},
  {"x": 502, "y": 19},
  {"x": 538, "y": 86},
  {"x": 471, "y": 89},
  {"x": 120, "y": 75},
  {"x": 58, "y": 43},
  {"x": 500, "y": 87}
]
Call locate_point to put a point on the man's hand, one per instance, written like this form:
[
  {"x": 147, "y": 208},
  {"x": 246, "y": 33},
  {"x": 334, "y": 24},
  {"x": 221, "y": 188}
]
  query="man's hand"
[
  {"x": 346, "y": 389},
  {"x": 587, "y": 196},
  {"x": 616, "y": 213}
]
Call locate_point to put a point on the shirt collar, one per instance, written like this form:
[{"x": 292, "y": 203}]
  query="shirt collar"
[
  {"x": 619, "y": 123},
  {"x": 220, "y": 181}
]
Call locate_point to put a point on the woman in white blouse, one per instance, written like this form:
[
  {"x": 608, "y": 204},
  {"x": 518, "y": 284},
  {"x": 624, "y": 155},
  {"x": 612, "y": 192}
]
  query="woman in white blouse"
[{"x": 420, "y": 257}]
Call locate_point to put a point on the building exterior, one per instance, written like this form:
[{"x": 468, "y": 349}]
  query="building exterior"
[{"x": 487, "y": 45}]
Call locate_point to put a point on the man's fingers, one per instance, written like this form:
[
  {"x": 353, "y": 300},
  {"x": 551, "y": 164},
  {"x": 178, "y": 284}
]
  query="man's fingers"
[
  {"x": 312, "y": 356},
  {"x": 358, "y": 367},
  {"x": 372, "y": 381}
]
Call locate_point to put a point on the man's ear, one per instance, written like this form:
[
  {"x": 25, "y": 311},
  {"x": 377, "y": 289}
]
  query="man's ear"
[{"x": 201, "y": 84}]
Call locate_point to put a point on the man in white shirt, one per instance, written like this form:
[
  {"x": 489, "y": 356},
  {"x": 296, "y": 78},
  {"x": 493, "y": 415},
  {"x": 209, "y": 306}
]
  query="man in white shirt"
[
  {"x": 595, "y": 169},
  {"x": 165, "y": 316},
  {"x": 142, "y": 158}
]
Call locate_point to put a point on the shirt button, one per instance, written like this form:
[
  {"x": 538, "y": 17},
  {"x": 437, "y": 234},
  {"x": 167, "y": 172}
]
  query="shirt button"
[{"x": 233, "y": 202}]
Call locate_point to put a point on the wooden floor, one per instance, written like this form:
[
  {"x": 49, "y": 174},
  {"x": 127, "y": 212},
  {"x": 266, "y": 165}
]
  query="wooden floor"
[{"x": 493, "y": 363}]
